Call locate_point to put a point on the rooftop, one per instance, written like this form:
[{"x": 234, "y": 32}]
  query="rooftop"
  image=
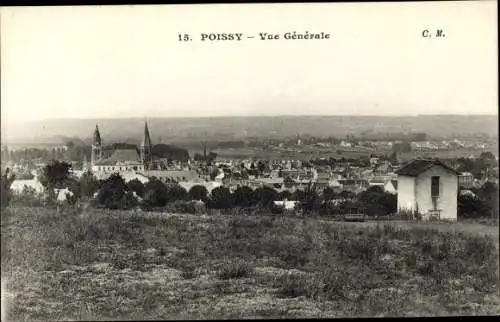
[
  {"x": 416, "y": 167},
  {"x": 121, "y": 155}
]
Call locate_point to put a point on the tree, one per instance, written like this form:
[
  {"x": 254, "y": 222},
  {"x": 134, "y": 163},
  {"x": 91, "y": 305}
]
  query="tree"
[
  {"x": 243, "y": 197},
  {"x": 113, "y": 193},
  {"x": 288, "y": 182},
  {"x": 329, "y": 193},
  {"x": 214, "y": 173},
  {"x": 137, "y": 187},
  {"x": 285, "y": 194},
  {"x": 73, "y": 185},
  {"x": 88, "y": 184},
  {"x": 346, "y": 194},
  {"x": 479, "y": 168},
  {"x": 298, "y": 195},
  {"x": 262, "y": 166},
  {"x": 175, "y": 192},
  {"x": 488, "y": 195},
  {"x": 6, "y": 193},
  {"x": 155, "y": 193},
  {"x": 311, "y": 201},
  {"x": 265, "y": 196},
  {"x": 465, "y": 165},
  {"x": 54, "y": 175},
  {"x": 198, "y": 192},
  {"x": 375, "y": 201},
  {"x": 487, "y": 155},
  {"x": 471, "y": 207},
  {"x": 221, "y": 198}
]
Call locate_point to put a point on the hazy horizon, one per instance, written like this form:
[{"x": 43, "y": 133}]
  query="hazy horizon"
[
  {"x": 105, "y": 62},
  {"x": 249, "y": 116}
]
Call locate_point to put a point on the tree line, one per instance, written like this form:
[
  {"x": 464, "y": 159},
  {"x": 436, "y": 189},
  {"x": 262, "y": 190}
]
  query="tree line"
[{"x": 114, "y": 193}]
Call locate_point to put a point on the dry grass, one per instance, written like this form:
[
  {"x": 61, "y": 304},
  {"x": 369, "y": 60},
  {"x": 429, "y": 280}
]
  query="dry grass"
[{"x": 126, "y": 265}]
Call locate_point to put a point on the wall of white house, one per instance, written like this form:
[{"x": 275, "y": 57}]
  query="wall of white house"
[
  {"x": 448, "y": 191},
  {"x": 406, "y": 193}
]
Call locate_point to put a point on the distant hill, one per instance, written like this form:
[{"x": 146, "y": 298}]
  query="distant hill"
[{"x": 178, "y": 130}]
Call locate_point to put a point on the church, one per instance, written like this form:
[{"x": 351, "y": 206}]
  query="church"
[{"x": 118, "y": 158}]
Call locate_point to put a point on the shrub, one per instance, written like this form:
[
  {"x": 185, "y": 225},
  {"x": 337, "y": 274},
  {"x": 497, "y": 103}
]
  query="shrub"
[
  {"x": 136, "y": 186},
  {"x": 198, "y": 192},
  {"x": 6, "y": 193},
  {"x": 28, "y": 197},
  {"x": 221, "y": 198},
  {"x": 88, "y": 184},
  {"x": 114, "y": 194}
]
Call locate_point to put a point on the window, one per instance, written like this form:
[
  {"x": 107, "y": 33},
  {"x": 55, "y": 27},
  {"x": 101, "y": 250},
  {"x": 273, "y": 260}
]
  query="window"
[{"x": 435, "y": 187}]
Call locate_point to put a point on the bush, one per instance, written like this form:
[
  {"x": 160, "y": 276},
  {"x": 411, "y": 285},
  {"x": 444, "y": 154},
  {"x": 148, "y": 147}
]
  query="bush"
[
  {"x": 221, "y": 198},
  {"x": 88, "y": 184},
  {"x": 114, "y": 194},
  {"x": 198, "y": 192},
  {"x": 137, "y": 187},
  {"x": 6, "y": 193},
  {"x": 375, "y": 201},
  {"x": 28, "y": 197},
  {"x": 243, "y": 197}
]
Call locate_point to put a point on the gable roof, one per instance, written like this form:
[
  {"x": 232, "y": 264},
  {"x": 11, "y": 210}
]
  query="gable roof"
[
  {"x": 416, "y": 167},
  {"x": 121, "y": 155}
]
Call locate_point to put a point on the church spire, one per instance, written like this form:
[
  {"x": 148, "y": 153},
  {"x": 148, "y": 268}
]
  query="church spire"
[
  {"x": 96, "y": 153},
  {"x": 146, "y": 141},
  {"x": 146, "y": 149},
  {"x": 97, "y": 136}
]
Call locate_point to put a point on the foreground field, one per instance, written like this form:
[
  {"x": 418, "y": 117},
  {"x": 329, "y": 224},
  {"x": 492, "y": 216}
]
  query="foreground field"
[{"x": 125, "y": 265}]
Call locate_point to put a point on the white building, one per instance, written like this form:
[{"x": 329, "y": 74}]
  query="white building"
[
  {"x": 428, "y": 187},
  {"x": 18, "y": 185},
  {"x": 391, "y": 186}
]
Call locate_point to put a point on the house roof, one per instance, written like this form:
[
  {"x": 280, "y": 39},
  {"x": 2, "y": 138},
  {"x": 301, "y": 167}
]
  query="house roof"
[
  {"x": 394, "y": 184},
  {"x": 171, "y": 174},
  {"x": 121, "y": 155},
  {"x": 416, "y": 167}
]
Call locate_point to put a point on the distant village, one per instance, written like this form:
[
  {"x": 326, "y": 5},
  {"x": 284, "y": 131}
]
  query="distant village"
[{"x": 353, "y": 175}]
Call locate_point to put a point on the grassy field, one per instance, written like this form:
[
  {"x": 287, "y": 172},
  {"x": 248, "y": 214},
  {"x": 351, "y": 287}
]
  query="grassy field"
[{"x": 126, "y": 265}]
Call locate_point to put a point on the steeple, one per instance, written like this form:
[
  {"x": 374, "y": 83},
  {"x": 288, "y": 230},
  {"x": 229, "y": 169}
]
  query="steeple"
[
  {"x": 96, "y": 154},
  {"x": 97, "y": 136},
  {"x": 146, "y": 149},
  {"x": 146, "y": 141}
]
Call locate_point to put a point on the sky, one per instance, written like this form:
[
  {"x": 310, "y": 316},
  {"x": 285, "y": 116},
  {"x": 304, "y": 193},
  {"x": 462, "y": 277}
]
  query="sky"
[{"x": 127, "y": 61}]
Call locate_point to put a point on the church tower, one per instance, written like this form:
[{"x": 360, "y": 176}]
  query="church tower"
[
  {"x": 96, "y": 147},
  {"x": 146, "y": 149}
]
